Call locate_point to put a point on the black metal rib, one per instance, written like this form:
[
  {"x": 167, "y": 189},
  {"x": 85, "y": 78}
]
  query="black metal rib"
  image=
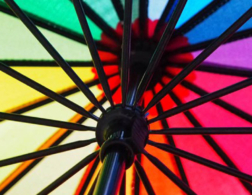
[
  {"x": 62, "y": 100},
  {"x": 123, "y": 186},
  {"x": 90, "y": 175},
  {"x": 45, "y": 63},
  {"x": 50, "y": 63},
  {"x": 156, "y": 57},
  {"x": 143, "y": 18},
  {"x": 91, "y": 191},
  {"x": 202, "y": 161},
  {"x": 55, "y": 143},
  {"x": 106, "y": 29},
  {"x": 166, "y": 13},
  {"x": 172, "y": 143},
  {"x": 217, "y": 69},
  {"x": 118, "y": 8},
  {"x": 238, "y": 112},
  {"x": 200, "y": 17},
  {"x": 93, "y": 50},
  {"x": 51, "y": 50},
  {"x": 60, "y": 30},
  {"x": 69, "y": 173},
  {"x": 48, "y": 100},
  {"x": 126, "y": 47},
  {"x": 200, "y": 58},
  {"x": 144, "y": 178},
  {"x": 210, "y": 140},
  {"x": 136, "y": 179},
  {"x": 202, "y": 45},
  {"x": 46, "y": 122},
  {"x": 203, "y": 131},
  {"x": 46, "y": 152},
  {"x": 169, "y": 173},
  {"x": 204, "y": 99}
]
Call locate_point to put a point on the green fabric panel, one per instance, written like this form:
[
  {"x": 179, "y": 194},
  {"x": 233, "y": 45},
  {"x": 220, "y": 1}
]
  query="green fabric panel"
[
  {"x": 16, "y": 42},
  {"x": 105, "y": 9},
  {"x": 57, "y": 12}
]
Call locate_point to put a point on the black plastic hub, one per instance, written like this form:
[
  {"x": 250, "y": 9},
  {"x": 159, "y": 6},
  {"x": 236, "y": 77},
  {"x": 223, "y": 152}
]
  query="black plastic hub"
[{"x": 124, "y": 128}]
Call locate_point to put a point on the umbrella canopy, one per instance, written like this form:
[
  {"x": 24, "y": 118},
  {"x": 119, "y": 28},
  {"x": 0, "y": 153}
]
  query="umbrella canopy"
[{"x": 185, "y": 66}]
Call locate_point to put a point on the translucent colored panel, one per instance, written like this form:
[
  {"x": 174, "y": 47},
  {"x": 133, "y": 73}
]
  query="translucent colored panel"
[
  {"x": 18, "y": 43},
  {"x": 17, "y": 94},
  {"x": 240, "y": 52},
  {"x": 61, "y": 13},
  {"x": 219, "y": 21},
  {"x": 192, "y": 7},
  {"x": 156, "y": 8},
  {"x": 21, "y": 138},
  {"x": 54, "y": 166},
  {"x": 105, "y": 10}
]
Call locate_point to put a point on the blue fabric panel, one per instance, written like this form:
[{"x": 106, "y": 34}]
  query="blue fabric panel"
[
  {"x": 219, "y": 21},
  {"x": 192, "y": 7}
]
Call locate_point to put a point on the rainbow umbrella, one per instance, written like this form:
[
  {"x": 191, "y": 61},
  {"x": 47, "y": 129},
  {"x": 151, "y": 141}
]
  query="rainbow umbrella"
[{"x": 155, "y": 98}]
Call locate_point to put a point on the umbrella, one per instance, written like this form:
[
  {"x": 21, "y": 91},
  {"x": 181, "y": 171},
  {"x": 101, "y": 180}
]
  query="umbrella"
[{"x": 160, "y": 89}]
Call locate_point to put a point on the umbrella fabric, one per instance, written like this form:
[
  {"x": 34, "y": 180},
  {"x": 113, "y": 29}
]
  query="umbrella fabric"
[{"x": 200, "y": 23}]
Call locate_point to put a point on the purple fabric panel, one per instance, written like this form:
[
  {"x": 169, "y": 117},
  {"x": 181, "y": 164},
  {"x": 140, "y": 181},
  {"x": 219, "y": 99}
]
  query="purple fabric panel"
[{"x": 235, "y": 54}]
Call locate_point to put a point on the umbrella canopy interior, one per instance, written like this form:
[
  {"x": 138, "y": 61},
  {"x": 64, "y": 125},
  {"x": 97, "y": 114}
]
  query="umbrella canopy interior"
[{"x": 192, "y": 85}]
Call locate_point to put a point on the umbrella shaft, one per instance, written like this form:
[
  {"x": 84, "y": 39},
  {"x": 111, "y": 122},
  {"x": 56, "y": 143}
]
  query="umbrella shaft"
[{"x": 111, "y": 174}]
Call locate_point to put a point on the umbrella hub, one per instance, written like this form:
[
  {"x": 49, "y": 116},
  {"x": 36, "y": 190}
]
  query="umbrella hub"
[{"x": 123, "y": 128}]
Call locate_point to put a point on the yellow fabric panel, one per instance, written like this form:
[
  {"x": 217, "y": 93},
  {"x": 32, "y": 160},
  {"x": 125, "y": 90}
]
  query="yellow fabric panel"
[
  {"x": 21, "y": 138},
  {"x": 15, "y": 94}
]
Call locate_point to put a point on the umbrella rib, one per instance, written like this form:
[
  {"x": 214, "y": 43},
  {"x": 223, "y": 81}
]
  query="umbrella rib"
[
  {"x": 51, "y": 50},
  {"x": 91, "y": 191},
  {"x": 172, "y": 142},
  {"x": 69, "y": 173},
  {"x": 156, "y": 57},
  {"x": 203, "y": 131},
  {"x": 123, "y": 186},
  {"x": 59, "y": 30},
  {"x": 169, "y": 173},
  {"x": 144, "y": 178},
  {"x": 48, "y": 100},
  {"x": 165, "y": 16},
  {"x": 211, "y": 141},
  {"x": 199, "y": 17},
  {"x": 55, "y": 143},
  {"x": 200, "y": 58},
  {"x": 202, "y": 45},
  {"x": 143, "y": 18},
  {"x": 136, "y": 179},
  {"x": 46, "y": 122},
  {"x": 204, "y": 99},
  {"x": 62, "y": 100},
  {"x": 107, "y": 30},
  {"x": 218, "y": 102},
  {"x": 203, "y": 161},
  {"x": 215, "y": 68},
  {"x": 89, "y": 176},
  {"x": 118, "y": 8},
  {"x": 45, "y": 63},
  {"x": 46, "y": 152},
  {"x": 126, "y": 48},
  {"x": 93, "y": 50}
]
